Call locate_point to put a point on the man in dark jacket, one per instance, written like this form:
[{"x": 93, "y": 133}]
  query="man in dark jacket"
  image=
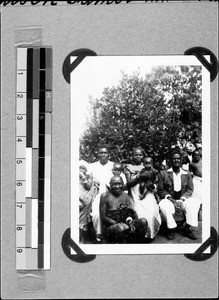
[{"x": 175, "y": 188}]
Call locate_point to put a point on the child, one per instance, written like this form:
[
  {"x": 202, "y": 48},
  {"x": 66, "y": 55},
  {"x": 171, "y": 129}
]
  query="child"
[
  {"x": 88, "y": 189},
  {"x": 118, "y": 170},
  {"x": 148, "y": 177}
]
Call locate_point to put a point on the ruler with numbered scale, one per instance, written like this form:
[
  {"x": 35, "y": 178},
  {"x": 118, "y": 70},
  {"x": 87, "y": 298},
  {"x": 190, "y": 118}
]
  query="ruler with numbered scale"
[{"x": 33, "y": 157}]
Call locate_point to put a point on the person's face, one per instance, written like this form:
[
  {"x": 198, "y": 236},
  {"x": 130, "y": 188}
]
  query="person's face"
[
  {"x": 137, "y": 156},
  {"x": 117, "y": 169},
  {"x": 196, "y": 156},
  {"x": 200, "y": 151},
  {"x": 103, "y": 156},
  {"x": 147, "y": 163},
  {"x": 176, "y": 160},
  {"x": 116, "y": 185},
  {"x": 88, "y": 183},
  {"x": 189, "y": 152},
  {"x": 83, "y": 169}
]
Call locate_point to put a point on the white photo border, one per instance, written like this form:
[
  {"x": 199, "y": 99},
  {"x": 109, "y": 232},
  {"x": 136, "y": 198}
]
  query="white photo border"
[{"x": 78, "y": 82}]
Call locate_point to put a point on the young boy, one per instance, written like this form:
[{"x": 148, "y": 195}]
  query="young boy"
[
  {"x": 148, "y": 177},
  {"x": 88, "y": 189},
  {"x": 118, "y": 170}
]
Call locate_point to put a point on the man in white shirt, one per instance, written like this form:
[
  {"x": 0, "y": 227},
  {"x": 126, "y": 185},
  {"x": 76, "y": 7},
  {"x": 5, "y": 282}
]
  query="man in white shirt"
[
  {"x": 102, "y": 172},
  {"x": 175, "y": 188}
]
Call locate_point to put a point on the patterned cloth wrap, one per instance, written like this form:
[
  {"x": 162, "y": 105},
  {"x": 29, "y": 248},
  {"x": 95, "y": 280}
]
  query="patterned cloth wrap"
[{"x": 121, "y": 213}]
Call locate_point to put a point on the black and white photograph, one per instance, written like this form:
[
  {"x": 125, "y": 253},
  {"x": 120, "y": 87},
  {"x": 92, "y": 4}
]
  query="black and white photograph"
[
  {"x": 140, "y": 138},
  {"x": 109, "y": 153}
]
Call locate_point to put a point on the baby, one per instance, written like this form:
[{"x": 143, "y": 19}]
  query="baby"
[{"x": 148, "y": 177}]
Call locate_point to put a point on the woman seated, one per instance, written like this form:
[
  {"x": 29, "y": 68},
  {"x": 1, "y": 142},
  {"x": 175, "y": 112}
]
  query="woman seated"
[{"x": 145, "y": 204}]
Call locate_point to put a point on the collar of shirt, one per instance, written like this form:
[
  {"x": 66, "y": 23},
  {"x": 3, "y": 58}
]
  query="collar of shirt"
[{"x": 177, "y": 179}]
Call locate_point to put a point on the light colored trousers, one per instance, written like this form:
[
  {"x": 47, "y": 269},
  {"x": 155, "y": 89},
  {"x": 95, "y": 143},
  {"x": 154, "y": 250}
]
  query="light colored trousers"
[{"x": 190, "y": 207}]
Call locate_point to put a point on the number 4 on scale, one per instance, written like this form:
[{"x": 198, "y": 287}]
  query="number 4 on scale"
[{"x": 21, "y": 147}]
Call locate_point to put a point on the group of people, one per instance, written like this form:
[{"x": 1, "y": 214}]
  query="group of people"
[{"x": 128, "y": 203}]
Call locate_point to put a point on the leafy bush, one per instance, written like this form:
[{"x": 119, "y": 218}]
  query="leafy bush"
[{"x": 154, "y": 112}]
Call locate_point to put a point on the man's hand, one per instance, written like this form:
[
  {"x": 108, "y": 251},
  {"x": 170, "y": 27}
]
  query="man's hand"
[
  {"x": 171, "y": 199},
  {"x": 130, "y": 223},
  {"x": 131, "y": 227},
  {"x": 178, "y": 205}
]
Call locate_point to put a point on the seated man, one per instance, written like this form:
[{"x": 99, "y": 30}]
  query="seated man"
[
  {"x": 175, "y": 188},
  {"x": 118, "y": 216}
]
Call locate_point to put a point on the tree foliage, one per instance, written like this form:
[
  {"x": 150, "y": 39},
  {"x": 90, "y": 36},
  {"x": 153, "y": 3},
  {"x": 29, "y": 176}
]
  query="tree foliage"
[{"x": 153, "y": 112}]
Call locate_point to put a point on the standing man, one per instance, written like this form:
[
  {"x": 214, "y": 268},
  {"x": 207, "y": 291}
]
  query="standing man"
[
  {"x": 175, "y": 188},
  {"x": 195, "y": 167},
  {"x": 102, "y": 172},
  {"x": 187, "y": 156},
  {"x": 118, "y": 215}
]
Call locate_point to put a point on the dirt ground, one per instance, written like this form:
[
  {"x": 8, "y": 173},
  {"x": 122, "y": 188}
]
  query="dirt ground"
[
  {"x": 161, "y": 236},
  {"x": 179, "y": 237}
]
